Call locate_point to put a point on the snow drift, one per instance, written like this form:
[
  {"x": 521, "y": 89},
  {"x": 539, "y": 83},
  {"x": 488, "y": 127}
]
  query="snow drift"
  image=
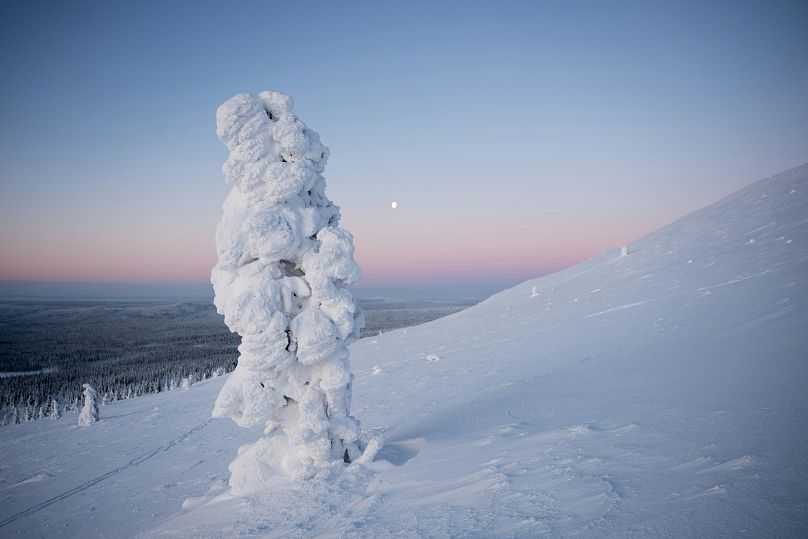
[{"x": 659, "y": 393}]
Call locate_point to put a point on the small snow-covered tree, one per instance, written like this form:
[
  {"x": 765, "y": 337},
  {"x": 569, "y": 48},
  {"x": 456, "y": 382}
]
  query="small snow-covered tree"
[
  {"x": 55, "y": 410},
  {"x": 28, "y": 415},
  {"x": 89, "y": 413},
  {"x": 280, "y": 282}
]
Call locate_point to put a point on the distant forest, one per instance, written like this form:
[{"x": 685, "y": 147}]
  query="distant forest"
[{"x": 124, "y": 350}]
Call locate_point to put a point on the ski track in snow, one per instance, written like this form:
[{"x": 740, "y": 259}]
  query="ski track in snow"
[{"x": 84, "y": 486}]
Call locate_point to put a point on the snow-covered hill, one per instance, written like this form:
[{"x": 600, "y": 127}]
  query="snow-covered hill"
[{"x": 659, "y": 393}]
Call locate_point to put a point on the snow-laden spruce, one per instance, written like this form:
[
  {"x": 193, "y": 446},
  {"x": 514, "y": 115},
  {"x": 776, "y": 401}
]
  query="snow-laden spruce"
[
  {"x": 90, "y": 413},
  {"x": 280, "y": 283},
  {"x": 55, "y": 410}
]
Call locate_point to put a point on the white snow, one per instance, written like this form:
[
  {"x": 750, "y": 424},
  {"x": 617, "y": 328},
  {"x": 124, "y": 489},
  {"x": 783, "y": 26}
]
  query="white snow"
[{"x": 669, "y": 400}]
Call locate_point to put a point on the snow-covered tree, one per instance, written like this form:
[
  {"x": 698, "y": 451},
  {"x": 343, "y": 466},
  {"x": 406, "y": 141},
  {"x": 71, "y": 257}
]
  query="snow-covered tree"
[
  {"x": 89, "y": 413},
  {"x": 280, "y": 282},
  {"x": 55, "y": 410},
  {"x": 29, "y": 412}
]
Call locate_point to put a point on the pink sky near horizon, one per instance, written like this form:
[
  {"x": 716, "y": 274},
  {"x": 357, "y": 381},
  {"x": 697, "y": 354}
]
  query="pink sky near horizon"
[
  {"x": 402, "y": 250},
  {"x": 439, "y": 238}
]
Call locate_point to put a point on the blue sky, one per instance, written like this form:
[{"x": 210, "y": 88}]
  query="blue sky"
[{"x": 517, "y": 137}]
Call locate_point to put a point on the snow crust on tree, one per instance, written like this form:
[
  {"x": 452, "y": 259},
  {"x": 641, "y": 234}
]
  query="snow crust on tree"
[
  {"x": 55, "y": 410},
  {"x": 280, "y": 282},
  {"x": 187, "y": 382},
  {"x": 89, "y": 413}
]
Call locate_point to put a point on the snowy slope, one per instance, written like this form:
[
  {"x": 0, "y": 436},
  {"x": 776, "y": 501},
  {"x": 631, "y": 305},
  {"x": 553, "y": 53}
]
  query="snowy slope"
[
  {"x": 658, "y": 393},
  {"x": 115, "y": 478}
]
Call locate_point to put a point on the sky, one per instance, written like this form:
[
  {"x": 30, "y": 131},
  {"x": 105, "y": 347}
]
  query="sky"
[{"x": 517, "y": 138}]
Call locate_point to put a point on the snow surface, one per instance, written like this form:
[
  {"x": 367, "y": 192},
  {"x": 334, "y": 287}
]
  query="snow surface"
[{"x": 659, "y": 393}]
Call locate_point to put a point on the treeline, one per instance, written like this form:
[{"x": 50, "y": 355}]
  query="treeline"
[{"x": 123, "y": 350}]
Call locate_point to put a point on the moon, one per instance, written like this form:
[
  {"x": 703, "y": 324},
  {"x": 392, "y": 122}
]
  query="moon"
[{"x": 394, "y": 204}]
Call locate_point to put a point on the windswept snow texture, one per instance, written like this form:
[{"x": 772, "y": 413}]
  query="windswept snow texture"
[{"x": 661, "y": 393}]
